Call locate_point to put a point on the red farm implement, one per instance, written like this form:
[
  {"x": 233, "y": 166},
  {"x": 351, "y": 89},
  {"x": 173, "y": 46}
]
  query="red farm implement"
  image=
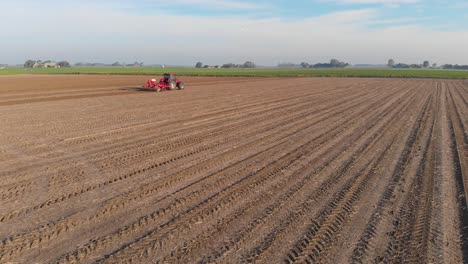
[{"x": 168, "y": 82}]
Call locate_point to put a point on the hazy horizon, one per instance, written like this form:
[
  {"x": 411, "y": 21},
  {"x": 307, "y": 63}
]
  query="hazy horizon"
[{"x": 183, "y": 32}]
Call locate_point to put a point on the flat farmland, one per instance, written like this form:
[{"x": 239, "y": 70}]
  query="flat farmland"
[{"x": 233, "y": 170}]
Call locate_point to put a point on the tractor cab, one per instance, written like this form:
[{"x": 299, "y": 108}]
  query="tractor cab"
[{"x": 167, "y": 77}]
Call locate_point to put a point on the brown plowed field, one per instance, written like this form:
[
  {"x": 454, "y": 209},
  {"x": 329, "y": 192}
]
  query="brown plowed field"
[{"x": 291, "y": 170}]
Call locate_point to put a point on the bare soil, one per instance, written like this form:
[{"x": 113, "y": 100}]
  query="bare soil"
[{"x": 94, "y": 169}]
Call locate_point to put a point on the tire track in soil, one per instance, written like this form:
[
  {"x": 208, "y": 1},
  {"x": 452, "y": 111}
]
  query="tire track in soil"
[
  {"x": 176, "y": 255},
  {"x": 90, "y": 188},
  {"x": 317, "y": 242},
  {"x": 132, "y": 138},
  {"x": 293, "y": 218},
  {"x": 387, "y": 198},
  {"x": 460, "y": 165},
  {"x": 58, "y": 231},
  {"x": 236, "y": 181},
  {"x": 176, "y": 123},
  {"x": 113, "y": 207},
  {"x": 107, "y": 154},
  {"x": 418, "y": 229},
  {"x": 90, "y": 94},
  {"x": 409, "y": 241}
]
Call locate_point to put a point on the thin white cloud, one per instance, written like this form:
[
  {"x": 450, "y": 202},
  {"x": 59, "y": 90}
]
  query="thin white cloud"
[
  {"x": 400, "y": 20},
  {"x": 345, "y": 17}
]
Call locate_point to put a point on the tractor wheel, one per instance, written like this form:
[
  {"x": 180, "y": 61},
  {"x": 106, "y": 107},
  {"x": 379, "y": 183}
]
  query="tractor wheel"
[
  {"x": 181, "y": 86},
  {"x": 172, "y": 86}
]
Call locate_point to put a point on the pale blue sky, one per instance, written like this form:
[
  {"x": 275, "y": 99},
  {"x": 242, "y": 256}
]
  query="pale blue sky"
[{"x": 219, "y": 31}]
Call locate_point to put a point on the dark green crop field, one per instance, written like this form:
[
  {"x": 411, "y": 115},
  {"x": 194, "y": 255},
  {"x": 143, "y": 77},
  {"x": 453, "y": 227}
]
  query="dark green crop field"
[{"x": 348, "y": 72}]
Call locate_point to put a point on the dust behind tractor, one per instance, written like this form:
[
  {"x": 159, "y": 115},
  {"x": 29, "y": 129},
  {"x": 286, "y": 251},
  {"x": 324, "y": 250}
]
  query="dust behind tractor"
[{"x": 169, "y": 81}]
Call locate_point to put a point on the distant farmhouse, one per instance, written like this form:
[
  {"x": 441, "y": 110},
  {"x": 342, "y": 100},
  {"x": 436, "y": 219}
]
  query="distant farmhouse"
[{"x": 45, "y": 64}]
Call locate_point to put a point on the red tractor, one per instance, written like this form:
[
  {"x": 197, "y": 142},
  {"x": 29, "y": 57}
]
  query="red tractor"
[{"x": 168, "y": 82}]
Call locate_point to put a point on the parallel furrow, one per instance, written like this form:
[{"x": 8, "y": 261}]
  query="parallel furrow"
[
  {"x": 309, "y": 172},
  {"x": 150, "y": 189},
  {"x": 397, "y": 174},
  {"x": 231, "y": 187}
]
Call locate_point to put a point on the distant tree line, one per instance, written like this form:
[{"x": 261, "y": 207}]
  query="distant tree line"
[
  {"x": 46, "y": 64},
  {"x": 289, "y": 65},
  {"x": 115, "y": 64},
  {"x": 200, "y": 65},
  {"x": 334, "y": 63},
  {"x": 455, "y": 67},
  {"x": 247, "y": 64},
  {"x": 425, "y": 64},
  {"x": 407, "y": 66},
  {"x": 88, "y": 64},
  {"x": 123, "y": 64},
  {"x": 66, "y": 64}
]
